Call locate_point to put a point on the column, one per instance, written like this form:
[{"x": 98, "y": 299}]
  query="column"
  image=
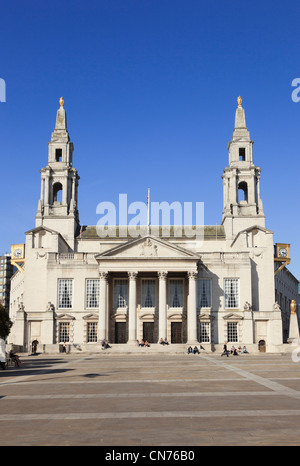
[
  {"x": 132, "y": 308},
  {"x": 162, "y": 305},
  {"x": 102, "y": 321},
  {"x": 65, "y": 186},
  {"x": 47, "y": 201},
  {"x": 72, "y": 198},
  {"x": 41, "y": 201},
  {"x": 192, "y": 309},
  {"x": 42, "y": 190}
]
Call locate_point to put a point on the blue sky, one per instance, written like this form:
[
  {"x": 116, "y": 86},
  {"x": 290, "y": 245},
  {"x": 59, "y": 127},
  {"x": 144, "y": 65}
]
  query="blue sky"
[{"x": 147, "y": 85}]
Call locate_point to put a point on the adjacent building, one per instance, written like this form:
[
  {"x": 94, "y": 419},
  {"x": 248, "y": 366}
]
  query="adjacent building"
[
  {"x": 286, "y": 290},
  {"x": 6, "y": 271}
]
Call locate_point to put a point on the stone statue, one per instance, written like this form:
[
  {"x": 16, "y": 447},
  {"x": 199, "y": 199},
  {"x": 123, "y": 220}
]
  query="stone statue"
[{"x": 276, "y": 307}]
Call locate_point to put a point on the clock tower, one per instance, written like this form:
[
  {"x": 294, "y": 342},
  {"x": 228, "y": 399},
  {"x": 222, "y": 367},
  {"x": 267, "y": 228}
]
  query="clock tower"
[
  {"x": 243, "y": 206},
  {"x": 57, "y": 206}
]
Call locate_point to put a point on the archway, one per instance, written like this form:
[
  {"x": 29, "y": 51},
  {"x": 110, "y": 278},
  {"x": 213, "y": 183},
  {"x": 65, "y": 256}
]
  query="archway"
[{"x": 57, "y": 192}]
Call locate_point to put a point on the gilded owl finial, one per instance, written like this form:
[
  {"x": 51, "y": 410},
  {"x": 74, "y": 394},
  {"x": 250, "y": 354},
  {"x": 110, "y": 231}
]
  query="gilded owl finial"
[
  {"x": 239, "y": 100},
  {"x": 61, "y": 101}
]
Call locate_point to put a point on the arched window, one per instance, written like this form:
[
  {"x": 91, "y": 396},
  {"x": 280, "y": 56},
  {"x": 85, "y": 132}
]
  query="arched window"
[
  {"x": 242, "y": 191},
  {"x": 57, "y": 192}
]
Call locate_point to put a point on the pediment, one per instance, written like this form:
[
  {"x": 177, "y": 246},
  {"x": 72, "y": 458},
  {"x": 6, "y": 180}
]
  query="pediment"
[
  {"x": 233, "y": 316},
  {"x": 148, "y": 317},
  {"x": 42, "y": 228},
  {"x": 205, "y": 316},
  {"x": 148, "y": 247},
  {"x": 64, "y": 317},
  {"x": 253, "y": 228},
  {"x": 91, "y": 317}
]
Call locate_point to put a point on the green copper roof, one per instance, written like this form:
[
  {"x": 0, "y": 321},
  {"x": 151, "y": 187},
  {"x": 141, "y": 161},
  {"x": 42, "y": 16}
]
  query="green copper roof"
[{"x": 91, "y": 232}]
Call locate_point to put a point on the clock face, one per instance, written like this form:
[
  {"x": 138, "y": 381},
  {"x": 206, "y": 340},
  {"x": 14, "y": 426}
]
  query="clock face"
[
  {"x": 18, "y": 253},
  {"x": 282, "y": 252}
]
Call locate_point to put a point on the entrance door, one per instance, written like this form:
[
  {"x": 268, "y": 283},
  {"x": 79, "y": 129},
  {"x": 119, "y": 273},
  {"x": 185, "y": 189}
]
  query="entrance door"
[
  {"x": 120, "y": 332},
  {"x": 148, "y": 331},
  {"x": 176, "y": 332},
  {"x": 34, "y": 332},
  {"x": 262, "y": 346}
]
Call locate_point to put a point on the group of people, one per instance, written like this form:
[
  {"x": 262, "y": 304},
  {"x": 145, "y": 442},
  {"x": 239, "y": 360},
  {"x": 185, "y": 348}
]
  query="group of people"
[
  {"x": 233, "y": 350},
  {"x": 163, "y": 341},
  {"x": 142, "y": 343},
  {"x": 194, "y": 350}
]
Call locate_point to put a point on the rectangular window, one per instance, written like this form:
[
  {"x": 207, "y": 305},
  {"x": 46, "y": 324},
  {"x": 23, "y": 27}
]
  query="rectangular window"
[
  {"x": 242, "y": 154},
  {"x": 65, "y": 293},
  {"x": 232, "y": 332},
  {"x": 204, "y": 332},
  {"x": 120, "y": 293},
  {"x": 92, "y": 330},
  {"x": 231, "y": 291},
  {"x": 64, "y": 332},
  {"x": 58, "y": 155},
  {"x": 148, "y": 293},
  {"x": 203, "y": 293},
  {"x": 92, "y": 293},
  {"x": 176, "y": 293}
]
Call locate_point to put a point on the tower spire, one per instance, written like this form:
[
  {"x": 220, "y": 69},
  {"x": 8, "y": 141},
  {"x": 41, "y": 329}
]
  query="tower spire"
[
  {"x": 240, "y": 119},
  {"x": 241, "y": 180},
  {"x": 57, "y": 207},
  {"x": 60, "y": 131}
]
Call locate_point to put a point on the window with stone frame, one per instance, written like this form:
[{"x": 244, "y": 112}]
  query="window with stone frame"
[
  {"x": 176, "y": 293},
  {"x": 204, "y": 332},
  {"x": 64, "y": 332},
  {"x": 203, "y": 293},
  {"x": 148, "y": 293},
  {"x": 231, "y": 293},
  {"x": 232, "y": 332},
  {"x": 92, "y": 293},
  {"x": 120, "y": 293},
  {"x": 65, "y": 293},
  {"x": 92, "y": 332}
]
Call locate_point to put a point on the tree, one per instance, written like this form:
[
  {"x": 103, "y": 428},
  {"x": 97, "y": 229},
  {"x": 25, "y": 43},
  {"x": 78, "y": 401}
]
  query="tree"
[{"x": 5, "y": 323}]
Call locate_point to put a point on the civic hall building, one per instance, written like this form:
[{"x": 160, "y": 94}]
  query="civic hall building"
[{"x": 76, "y": 286}]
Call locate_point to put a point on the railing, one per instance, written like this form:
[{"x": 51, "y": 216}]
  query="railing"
[
  {"x": 68, "y": 255},
  {"x": 71, "y": 256}
]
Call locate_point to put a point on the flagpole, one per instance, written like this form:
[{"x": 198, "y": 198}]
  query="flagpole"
[{"x": 148, "y": 220}]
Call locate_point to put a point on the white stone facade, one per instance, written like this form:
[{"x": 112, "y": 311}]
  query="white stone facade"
[{"x": 80, "y": 288}]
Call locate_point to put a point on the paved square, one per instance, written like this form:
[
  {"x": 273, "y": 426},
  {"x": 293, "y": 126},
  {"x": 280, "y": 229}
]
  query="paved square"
[{"x": 151, "y": 399}]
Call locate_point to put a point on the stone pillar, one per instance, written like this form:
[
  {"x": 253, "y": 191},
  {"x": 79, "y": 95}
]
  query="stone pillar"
[
  {"x": 42, "y": 190},
  {"x": 192, "y": 309},
  {"x": 65, "y": 187},
  {"x": 294, "y": 327},
  {"x": 132, "y": 308},
  {"x": 102, "y": 321},
  {"x": 20, "y": 330},
  {"x": 162, "y": 305},
  {"x": 47, "y": 194}
]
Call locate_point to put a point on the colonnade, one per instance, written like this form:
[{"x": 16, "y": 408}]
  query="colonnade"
[{"x": 162, "y": 306}]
